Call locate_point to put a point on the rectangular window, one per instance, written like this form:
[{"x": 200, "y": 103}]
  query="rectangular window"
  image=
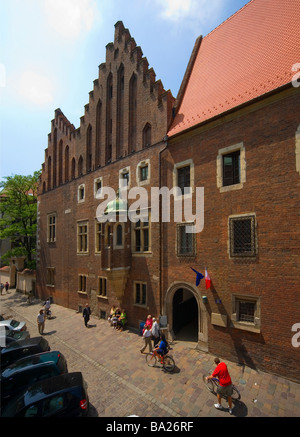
[
  {"x": 144, "y": 173},
  {"x": 81, "y": 193},
  {"x": 246, "y": 312},
  {"x": 140, "y": 293},
  {"x": 82, "y": 280},
  {"x": 50, "y": 276},
  {"x": 184, "y": 179},
  {"x": 231, "y": 168},
  {"x": 242, "y": 236},
  {"x": 186, "y": 244},
  {"x": 142, "y": 237},
  {"x": 98, "y": 230},
  {"x": 102, "y": 286},
  {"x": 51, "y": 228},
  {"x": 82, "y": 237}
]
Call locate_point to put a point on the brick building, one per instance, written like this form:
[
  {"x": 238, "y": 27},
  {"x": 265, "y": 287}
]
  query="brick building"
[
  {"x": 233, "y": 130},
  {"x": 236, "y": 133},
  {"x": 120, "y": 136}
]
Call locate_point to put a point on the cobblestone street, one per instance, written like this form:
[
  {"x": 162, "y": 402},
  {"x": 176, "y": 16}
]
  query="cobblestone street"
[{"x": 121, "y": 384}]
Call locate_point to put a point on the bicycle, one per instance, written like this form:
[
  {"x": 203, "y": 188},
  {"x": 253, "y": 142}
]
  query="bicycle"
[
  {"x": 166, "y": 361},
  {"x": 212, "y": 385}
]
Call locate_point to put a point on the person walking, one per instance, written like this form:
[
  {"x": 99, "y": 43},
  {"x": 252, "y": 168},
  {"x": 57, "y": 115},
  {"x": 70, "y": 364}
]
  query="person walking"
[
  {"x": 41, "y": 322},
  {"x": 6, "y": 287},
  {"x": 155, "y": 332},
  {"x": 225, "y": 387},
  {"x": 2, "y": 287},
  {"x": 147, "y": 339},
  {"x": 86, "y": 314},
  {"x": 47, "y": 306}
]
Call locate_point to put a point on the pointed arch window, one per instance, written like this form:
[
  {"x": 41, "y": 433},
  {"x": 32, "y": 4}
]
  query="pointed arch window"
[
  {"x": 120, "y": 111},
  {"x": 109, "y": 97},
  {"x": 80, "y": 166},
  {"x": 73, "y": 169},
  {"x": 49, "y": 172},
  {"x": 60, "y": 162},
  {"x": 132, "y": 113},
  {"x": 54, "y": 157},
  {"x": 89, "y": 151},
  {"x": 147, "y": 135},
  {"x": 67, "y": 164},
  {"x": 98, "y": 133}
]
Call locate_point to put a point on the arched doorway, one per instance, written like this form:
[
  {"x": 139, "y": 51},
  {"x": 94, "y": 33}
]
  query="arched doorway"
[{"x": 186, "y": 313}]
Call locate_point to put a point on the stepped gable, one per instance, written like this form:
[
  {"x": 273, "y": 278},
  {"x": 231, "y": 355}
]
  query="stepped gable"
[{"x": 248, "y": 56}]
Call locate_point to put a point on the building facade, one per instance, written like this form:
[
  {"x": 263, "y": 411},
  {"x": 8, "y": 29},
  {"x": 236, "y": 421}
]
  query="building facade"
[
  {"x": 229, "y": 147},
  {"x": 236, "y": 134},
  {"x": 120, "y": 137}
]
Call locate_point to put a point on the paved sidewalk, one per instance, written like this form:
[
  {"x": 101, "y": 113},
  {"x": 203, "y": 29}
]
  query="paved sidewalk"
[{"x": 121, "y": 384}]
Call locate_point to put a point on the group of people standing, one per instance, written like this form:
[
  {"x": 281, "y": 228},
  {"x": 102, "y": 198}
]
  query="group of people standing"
[{"x": 151, "y": 333}]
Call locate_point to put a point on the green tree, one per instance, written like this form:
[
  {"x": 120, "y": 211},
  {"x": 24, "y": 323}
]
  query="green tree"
[{"x": 18, "y": 216}]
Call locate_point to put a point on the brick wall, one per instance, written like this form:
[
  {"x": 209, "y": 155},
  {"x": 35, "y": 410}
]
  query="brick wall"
[{"x": 272, "y": 193}]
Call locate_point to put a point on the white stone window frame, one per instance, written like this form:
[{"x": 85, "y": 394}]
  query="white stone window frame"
[
  {"x": 142, "y": 164},
  {"x": 97, "y": 193},
  {"x": 50, "y": 279},
  {"x": 53, "y": 226},
  {"x": 82, "y": 275},
  {"x": 250, "y": 216},
  {"x": 139, "y": 304},
  {"x": 115, "y": 228},
  {"x": 246, "y": 326},
  {"x": 104, "y": 281},
  {"x": 79, "y": 198},
  {"x": 98, "y": 231},
  {"x": 82, "y": 223},
  {"x": 122, "y": 172},
  {"x": 177, "y": 166},
  {"x": 226, "y": 151}
]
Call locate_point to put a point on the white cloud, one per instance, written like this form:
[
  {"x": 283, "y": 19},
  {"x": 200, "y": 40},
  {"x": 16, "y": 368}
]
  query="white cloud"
[
  {"x": 35, "y": 88},
  {"x": 190, "y": 10},
  {"x": 69, "y": 18}
]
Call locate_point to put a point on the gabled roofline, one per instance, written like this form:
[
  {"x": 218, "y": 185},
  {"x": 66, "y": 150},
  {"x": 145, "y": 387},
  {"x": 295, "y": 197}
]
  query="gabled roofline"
[{"x": 187, "y": 74}]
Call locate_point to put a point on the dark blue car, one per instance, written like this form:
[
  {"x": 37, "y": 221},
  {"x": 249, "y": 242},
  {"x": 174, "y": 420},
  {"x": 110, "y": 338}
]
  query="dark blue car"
[
  {"x": 27, "y": 371},
  {"x": 61, "y": 396}
]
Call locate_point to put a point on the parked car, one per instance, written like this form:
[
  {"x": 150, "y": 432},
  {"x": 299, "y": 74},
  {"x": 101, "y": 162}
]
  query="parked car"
[
  {"x": 20, "y": 349},
  {"x": 24, "y": 372},
  {"x": 13, "y": 325},
  {"x": 11, "y": 336},
  {"x": 61, "y": 396}
]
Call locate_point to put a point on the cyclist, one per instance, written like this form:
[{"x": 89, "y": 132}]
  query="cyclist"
[
  {"x": 225, "y": 387},
  {"x": 162, "y": 349}
]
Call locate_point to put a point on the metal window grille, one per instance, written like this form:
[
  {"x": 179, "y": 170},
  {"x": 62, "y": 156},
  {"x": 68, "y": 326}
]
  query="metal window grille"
[
  {"x": 242, "y": 236},
  {"x": 185, "y": 241},
  {"x": 246, "y": 311}
]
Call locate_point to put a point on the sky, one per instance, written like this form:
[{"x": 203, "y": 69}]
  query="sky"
[{"x": 50, "y": 51}]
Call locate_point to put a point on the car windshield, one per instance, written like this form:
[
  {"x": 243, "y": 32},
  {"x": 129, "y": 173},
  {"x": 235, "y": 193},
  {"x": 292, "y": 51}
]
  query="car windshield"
[
  {"x": 14, "y": 334},
  {"x": 14, "y": 323}
]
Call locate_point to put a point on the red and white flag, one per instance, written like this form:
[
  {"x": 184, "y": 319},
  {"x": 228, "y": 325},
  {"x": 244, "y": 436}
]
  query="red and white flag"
[{"x": 207, "y": 279}]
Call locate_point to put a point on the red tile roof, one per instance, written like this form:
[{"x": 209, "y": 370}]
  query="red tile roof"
[{"x": 247, "y": 56}]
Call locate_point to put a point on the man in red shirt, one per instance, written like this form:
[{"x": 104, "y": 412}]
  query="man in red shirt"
[{"x": 225, "y": 387}]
